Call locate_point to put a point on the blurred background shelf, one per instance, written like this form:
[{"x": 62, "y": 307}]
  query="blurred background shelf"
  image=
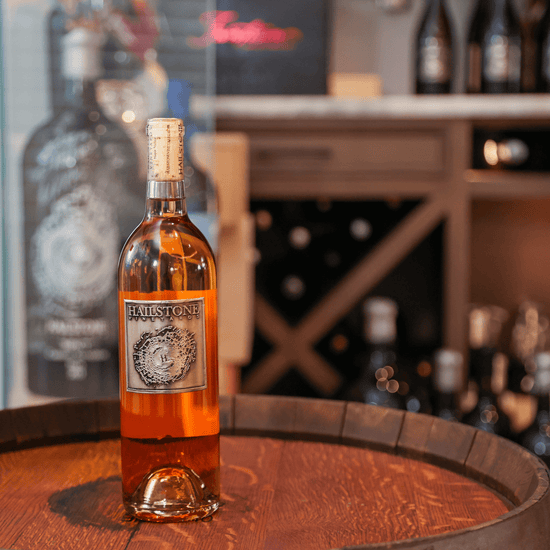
[
  {"x": 488, "y": 184},
  {"x": 391, "y": 150}
]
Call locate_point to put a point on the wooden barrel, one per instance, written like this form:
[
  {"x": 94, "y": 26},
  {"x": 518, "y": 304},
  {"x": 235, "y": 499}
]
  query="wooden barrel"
[{"x": 296, "y": 474}]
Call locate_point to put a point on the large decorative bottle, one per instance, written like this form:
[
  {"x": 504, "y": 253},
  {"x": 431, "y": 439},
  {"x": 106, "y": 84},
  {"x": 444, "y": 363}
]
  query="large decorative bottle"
[
  {"x": 168, "y": 349},
  {"x": 434, "y": 65},
  {"x": 79, "y": 208}
]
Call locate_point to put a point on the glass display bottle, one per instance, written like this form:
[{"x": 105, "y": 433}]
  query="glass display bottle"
[
  {"x": 501, "y": 44},
  {"x": 434, "y": 63},
  {"x": 536, "y": 437},
  {"x": 78, "y": 172},
  {"x": 448, "y": 383},
  {"x": 168, "y": 349}
]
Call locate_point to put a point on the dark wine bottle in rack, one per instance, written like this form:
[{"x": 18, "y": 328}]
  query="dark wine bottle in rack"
[
  {"x": 448, "y": 384},
  {"x": 434, "y": 58},
  {"x": 501, "y": 46}
]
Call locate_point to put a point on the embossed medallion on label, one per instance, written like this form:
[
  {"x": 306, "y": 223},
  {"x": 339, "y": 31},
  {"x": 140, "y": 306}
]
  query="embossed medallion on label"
[{"x": 165, "y": 346}]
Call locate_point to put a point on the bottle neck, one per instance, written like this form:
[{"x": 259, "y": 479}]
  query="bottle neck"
[
  {"x": 165, "y": 199},
  {"x": 81, "y": 93}
]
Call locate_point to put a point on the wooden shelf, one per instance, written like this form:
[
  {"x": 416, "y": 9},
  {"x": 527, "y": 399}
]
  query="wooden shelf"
[
  {"x": 502, "y": 185},
  {"x": 376, "y": 155}
]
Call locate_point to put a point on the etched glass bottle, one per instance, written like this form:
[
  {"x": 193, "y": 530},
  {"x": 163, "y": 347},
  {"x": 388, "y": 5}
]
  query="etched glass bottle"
[
  {"x": 168, "y": 349},
  {"x": 79, "y": 208}
]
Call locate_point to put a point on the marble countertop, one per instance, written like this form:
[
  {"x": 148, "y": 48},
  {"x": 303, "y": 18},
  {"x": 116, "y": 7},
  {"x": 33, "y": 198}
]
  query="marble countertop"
[{"x": 459, "y": 106}]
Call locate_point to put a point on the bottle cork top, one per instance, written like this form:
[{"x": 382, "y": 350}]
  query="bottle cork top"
[
  {"x": 448, "y": 370},
  {"x": 81, "y": 55},
  {"x": 380, "y": 320},
  {"x": 165, "y": 158}
]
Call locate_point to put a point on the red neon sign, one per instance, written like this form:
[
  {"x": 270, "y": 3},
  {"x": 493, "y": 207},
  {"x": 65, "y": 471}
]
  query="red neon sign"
[{"x": 220, "y": 27}]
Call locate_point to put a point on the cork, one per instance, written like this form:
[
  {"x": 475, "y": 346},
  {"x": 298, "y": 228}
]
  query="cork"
[{"x": 165, "y": 157}]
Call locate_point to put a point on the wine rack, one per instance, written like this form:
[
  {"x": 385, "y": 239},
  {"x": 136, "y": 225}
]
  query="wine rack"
[{"x": 368, "y": 157}]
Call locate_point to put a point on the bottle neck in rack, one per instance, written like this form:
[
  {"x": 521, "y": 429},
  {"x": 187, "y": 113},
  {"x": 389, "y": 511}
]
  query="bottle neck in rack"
[{"x": 165, "y": 199}]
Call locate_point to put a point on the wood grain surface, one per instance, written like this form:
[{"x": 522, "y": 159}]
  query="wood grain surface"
[
  {"x": 296, "y": 473},
  {"x": 277, "y": 494}
]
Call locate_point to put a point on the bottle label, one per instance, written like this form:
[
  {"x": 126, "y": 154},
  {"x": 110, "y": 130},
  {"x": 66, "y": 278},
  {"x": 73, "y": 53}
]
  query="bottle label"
[
  {"x": 75, "y": 253},
  {"x": 435, "y": 60},
  {"x": 502, "y": 60},
  {"x": 165, "y": 346}
]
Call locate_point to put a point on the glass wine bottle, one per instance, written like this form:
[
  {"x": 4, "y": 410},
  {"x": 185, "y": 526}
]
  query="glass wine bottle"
[
  {"x": 536, "y": 437},
  {"x": 542, "y": 63},
  {"x": 168, "y": 349},
  {"x": 448, "y": 383},
  {"x": 434, "y": 63},
  {"x": 78, "y": 170},
  {"x": 377, "y": 384},
  {"x": 473, "y": 48},
  {"x": 501, "y": 44},
  {"x": 489, "y": 370}
]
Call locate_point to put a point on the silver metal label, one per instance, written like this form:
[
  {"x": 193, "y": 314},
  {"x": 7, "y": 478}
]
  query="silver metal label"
[{"x": 165, "y": 346}]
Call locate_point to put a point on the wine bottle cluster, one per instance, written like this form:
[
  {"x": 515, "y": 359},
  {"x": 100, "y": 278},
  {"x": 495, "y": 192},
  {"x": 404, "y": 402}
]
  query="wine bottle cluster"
[
  {"x": 503, "y": 392},
  {"x": 501, "y": 56}
]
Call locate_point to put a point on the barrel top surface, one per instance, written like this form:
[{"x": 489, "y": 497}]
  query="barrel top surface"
[{"x": 296, "y": 473}]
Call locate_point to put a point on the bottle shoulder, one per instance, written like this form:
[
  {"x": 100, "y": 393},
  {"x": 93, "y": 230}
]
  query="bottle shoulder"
[
  {"x": 435, "y": 23},
  {"x": 166, "y": 253}
]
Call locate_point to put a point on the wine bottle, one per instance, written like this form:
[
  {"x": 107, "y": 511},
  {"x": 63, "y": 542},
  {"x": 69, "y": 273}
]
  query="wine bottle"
[
  {"x": 434, "y": 64},
  {"x": 473, "y": 48},
  {"x": 529, "y": 336},
  {"x": 448, "y": 383},
  {"x": 542, "y": 39},
  {"x": 56, "y": 28},
  {"x": 501, "y": 44},
  {"x": 536, "y": 438},
  {"x": 377, "y": 383},
  {"x": 489, "y": 370},
  {"x": 168, "y": 349},
  {"x": 78, "y": 173}
]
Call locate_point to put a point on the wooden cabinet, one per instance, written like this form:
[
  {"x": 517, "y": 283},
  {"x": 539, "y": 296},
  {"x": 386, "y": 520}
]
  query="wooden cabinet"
[{"x": 382, "y": 156}]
